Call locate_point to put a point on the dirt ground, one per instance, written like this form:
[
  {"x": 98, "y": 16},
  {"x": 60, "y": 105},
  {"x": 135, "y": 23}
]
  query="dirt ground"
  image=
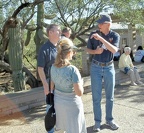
[
  {"x": 5, "y": 82},
  {"x": 28, "y": 121},
  {"x": 32, "y": 120},
  {"x": 128, "y": 113}
]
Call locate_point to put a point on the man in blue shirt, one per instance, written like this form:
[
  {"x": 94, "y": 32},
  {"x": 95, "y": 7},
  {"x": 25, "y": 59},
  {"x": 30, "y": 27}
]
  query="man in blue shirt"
[
  {"x": 46, "y": 57},
  {"x": 102, "y": 44}
]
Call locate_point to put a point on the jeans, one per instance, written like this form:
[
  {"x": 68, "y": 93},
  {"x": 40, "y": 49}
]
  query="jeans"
[
  {"x": 98, "y": 73},
  {"x": 52, "y": 130}
]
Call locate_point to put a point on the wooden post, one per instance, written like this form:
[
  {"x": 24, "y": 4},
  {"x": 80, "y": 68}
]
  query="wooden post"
[{"x": 85, "y": 62}]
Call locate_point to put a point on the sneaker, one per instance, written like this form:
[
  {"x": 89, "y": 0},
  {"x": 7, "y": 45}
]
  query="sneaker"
[
  {"x": 139, "y": 82},
  {"x": 96, "y": 128},
  {"x": 112, "y": 125},
  {"x": 133, "y": 84}
]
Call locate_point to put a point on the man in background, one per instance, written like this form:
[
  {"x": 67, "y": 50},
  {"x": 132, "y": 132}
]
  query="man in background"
[{"x": 46, "y": 57}]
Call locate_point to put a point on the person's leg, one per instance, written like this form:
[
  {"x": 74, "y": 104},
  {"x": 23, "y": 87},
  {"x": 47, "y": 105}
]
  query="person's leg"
[
  {"x": 96, "y": 86},
  {"x": 109, "y": 83},
  {"x": 132, "y": 76},
  {"x": 137, "y": 76}
]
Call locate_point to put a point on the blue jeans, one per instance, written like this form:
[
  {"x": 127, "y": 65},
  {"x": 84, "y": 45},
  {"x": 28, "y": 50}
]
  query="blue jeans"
[
  {"x": 97, "y": 74},
  {"x": 52, "y": 130}
]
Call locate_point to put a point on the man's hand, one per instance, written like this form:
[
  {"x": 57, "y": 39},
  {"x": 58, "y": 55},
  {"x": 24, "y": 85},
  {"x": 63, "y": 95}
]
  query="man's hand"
[
  {"x": 96, "y": 36},
  {"x": 99, "y": 50},
  {"x": 46, "y": 88}
]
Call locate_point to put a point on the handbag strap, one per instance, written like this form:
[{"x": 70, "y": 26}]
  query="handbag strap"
[{"x": 50, "y": 79}]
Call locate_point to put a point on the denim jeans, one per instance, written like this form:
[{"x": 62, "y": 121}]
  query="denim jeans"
[
  {"x": 52, "y": 130},
  {"x": 99, "y": 73}
]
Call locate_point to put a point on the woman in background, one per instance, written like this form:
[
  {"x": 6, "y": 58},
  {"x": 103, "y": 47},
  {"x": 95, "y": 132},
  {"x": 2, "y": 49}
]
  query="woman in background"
[
  {"x": 131, "y": 53},
  {"x": 139, "y": 55},
  {"x": 126, "y": 66},
  {"x": 68, "y": 89}
]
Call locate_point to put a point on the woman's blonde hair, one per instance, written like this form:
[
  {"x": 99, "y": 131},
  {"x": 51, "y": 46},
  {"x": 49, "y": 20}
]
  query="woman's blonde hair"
[{"x": 64, "y": 46}]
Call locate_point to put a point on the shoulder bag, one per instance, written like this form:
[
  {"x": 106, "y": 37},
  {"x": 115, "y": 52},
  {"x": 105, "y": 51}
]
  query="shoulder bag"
[{"x": 50, "y": 118}]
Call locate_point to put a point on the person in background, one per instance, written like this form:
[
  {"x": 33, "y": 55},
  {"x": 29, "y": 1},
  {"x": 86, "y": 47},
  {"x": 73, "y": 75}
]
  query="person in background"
[
  {"x": 139, "y": 54},
  {"x": 66, "y": 32},
  {"x": 103, "y": 43},
  {"x": 131, "y": 53},
  {"x": 46, "y": 57},
  {"x": 126, "y": 66},
  {"x": 68, "y": 89},
  {"x": 116, "y": 56}
]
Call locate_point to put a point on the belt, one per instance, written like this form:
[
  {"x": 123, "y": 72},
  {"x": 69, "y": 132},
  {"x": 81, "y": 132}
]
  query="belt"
[{"x": 101, "y": 63}]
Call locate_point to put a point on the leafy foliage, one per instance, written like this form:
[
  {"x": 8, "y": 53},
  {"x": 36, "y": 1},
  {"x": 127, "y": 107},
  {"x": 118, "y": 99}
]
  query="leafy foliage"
[{"x": 130, "y": 11}]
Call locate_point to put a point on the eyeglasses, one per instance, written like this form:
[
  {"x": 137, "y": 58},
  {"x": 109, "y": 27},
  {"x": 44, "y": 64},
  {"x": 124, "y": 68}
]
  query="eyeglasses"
[{"x": 103, "y": 23}]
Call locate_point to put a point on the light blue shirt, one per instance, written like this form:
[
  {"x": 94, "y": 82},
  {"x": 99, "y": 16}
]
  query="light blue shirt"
[{"x": 65, "y": 77}]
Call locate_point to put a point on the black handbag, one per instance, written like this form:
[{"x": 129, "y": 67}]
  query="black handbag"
[{"x": 50, "y": 118}]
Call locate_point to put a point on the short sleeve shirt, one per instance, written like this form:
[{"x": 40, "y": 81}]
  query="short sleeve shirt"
[
  {"x": 46, "y": 56},
  {"x": 106, "y": 56},
  {"x": 65, "y": 77}
]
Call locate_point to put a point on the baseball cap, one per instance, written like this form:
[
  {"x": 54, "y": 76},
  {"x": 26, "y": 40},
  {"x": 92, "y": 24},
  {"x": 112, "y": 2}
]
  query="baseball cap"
[{"x": 104, "y": 19}]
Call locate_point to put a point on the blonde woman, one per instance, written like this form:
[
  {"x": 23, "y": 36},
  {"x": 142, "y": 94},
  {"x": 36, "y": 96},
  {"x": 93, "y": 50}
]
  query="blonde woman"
[
  {"x": 126, "y": 66},
  {"x": 68, "y": 89}
]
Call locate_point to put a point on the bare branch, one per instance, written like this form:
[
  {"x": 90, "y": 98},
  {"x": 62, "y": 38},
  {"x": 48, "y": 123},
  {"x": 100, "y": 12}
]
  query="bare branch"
[
  {"x": 62, "y": 16},
  {"x": 27, "y": 4},
  {"x": 23, "y": 5},
  {"x": 25, "y": 23}
]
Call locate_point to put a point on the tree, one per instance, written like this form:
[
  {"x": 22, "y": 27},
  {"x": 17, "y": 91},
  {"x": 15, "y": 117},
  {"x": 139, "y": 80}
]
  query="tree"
[
  {"x": 25, "y": 12},
  {"x": 78, "y": 15},
  {"x": 130, "y": 11},
  {"x": 11, "y": 36},
  {"x": 81, "y": 15}
]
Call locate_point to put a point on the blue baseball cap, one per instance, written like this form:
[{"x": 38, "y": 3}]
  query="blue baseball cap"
[{"x": 104, "y": 19}]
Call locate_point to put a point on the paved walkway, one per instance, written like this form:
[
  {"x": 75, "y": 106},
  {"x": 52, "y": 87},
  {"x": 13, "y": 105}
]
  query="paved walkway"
[{"x": 128, "y": 113}]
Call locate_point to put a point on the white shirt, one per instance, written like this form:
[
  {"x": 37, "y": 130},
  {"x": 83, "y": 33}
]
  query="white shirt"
[{"x": 138, "y": 55}]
